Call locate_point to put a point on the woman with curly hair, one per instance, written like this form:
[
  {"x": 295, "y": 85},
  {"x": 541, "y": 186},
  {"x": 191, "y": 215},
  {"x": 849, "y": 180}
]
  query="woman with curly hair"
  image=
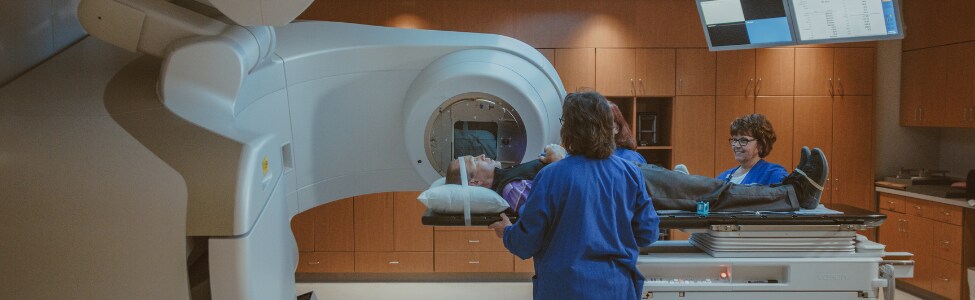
[{"x": 751, "y": 140}]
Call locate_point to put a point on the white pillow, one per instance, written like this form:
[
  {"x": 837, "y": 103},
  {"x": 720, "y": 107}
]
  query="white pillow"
[{"x": 445, "y": 198}]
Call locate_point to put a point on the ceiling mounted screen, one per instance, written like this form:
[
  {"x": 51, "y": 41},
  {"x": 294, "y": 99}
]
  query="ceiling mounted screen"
[
  {"x": 834, "y": 21},
  {"x": 742, "y": 24}
]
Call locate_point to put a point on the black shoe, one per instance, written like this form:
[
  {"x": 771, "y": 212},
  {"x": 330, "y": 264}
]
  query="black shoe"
[
  {"x": 808, "y": 179},
  {"x": 803, "y": 156}
]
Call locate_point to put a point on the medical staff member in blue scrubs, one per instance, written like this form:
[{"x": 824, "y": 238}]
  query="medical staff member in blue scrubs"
[
  {"x": 625, "y": 142},
  {"x": 587, "y": 214},
  {"x": 751, "y": 140}
]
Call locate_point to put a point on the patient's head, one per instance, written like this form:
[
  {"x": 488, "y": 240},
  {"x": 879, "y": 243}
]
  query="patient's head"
[
  {"x": 480, "y": 170},
  {"x": 624, "y": 137}
]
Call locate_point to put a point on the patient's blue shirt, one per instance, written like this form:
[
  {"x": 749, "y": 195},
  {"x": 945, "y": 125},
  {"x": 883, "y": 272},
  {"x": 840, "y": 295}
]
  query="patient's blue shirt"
[{"x": 583, "y": 223}]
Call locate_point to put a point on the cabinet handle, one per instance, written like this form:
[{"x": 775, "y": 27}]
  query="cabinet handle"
[
  {"x": 473, "y": 262},
  {"x": 836, "y": 184},
  {"x": 842, "y": 90},
  {"x": 473, "y": 241},
  {"x": 632, "y": 87},
  {"x": 750, "y": 82},
  {"x": 947, "y": 213},
  {"x": 680, "y": 85},
  {"x": 945, "y": 242},
  {"x": 922, "y": 113},
  {"x": 314, "y": 262},
  {"x": 758, "y": 86},
  {"x": 831, "y": 93},
  {"x": 643, "y": 87},
  {"x": 394, "y": 262}
]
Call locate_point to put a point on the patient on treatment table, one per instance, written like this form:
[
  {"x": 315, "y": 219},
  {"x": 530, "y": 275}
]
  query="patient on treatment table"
[{"x": 669, "y": 190}]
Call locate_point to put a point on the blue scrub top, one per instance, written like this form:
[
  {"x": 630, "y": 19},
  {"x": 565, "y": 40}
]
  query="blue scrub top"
[
  {"x": 583, "y": 223},
  {"x": 763, "y": 173},
  {"x": 629, "y": 155}
]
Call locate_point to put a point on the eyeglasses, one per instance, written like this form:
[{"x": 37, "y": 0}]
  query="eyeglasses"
[{"x": 740, "y": 141}]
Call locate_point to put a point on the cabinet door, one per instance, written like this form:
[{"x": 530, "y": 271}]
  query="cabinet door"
[
  {"x": 775, "y": 69},
  {"x": 813, "y": 128},
  {"x": 919, "y": 243},
  {"x": 934, "y": 79},
  {"x": 913, "y": 86},
  {"x": 727, "y": 109},
  {"x": 374, "y": 222},
  {"x": 853, "y": 71},
  {"x": 814, "y": 72},
  {"x": 960, "y": 67},
  {"x": 576, "y": 67},
  {"x": 851, "y": 164},
  {"x": 694, "y": 134},
  {"x": 334, "y": 229},
  {"x": 893, "y": 233},
  {"x": 409, "y": 233},
  {"x": 947, "y": 279},
  {"x": 303, "y": 227},
  {"x": 779, "y": 111},
  {"x": 735, "y": 74},
  {"x": 695, "y": 72},
  {"x": 615, "y": 72},
  {"x": 549, "y": 54},
  {"x": 655, "y": 71}
]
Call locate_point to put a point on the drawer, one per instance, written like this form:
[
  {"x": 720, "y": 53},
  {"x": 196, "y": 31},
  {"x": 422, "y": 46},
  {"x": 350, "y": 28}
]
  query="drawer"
[
  {"x": 473, "y": 262},
  {"x": 947, "y": 242},
  {"x": 893, "y": 203},
  {"x": 394, "y": 262},
  {"x": 325, "y": 262},
  {"x": 946, "y": 213},
  {"x": 947, "y": 279},
  {"x": 467, "y": 241},
  {"x": 524, "y": 265}
]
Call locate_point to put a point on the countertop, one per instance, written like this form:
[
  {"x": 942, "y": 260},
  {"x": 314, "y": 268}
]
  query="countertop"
[{"x": 950, "y": 201}]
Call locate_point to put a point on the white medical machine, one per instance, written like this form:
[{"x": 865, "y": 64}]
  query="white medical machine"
[{"x": 264, "y": 118}]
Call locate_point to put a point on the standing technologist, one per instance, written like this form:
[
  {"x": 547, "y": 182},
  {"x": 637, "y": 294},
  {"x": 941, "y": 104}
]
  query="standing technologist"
[{"x": 587, "y": 215}]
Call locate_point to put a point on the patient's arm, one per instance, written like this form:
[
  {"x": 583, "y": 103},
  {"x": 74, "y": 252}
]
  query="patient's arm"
[{"x": 553, "y": 153}]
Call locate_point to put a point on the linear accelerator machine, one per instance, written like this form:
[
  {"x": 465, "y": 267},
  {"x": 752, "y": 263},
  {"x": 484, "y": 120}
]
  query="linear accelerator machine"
[{"x": 261, "y": 123}]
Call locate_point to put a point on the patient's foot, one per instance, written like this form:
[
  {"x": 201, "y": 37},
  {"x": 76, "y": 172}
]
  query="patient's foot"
[
  {"x": 682, "y": 169},
  {"x": 808, "y": 179},
  {"x": 803, "y": 156}
]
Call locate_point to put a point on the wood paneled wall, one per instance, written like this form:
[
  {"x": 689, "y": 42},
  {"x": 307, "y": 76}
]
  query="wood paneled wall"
[{"x": 540, "y": 23}]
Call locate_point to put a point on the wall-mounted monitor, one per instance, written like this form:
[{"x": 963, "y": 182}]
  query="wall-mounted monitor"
[
  {"x": 742, "y": 24},
  {"x": 835, "y": 21}
]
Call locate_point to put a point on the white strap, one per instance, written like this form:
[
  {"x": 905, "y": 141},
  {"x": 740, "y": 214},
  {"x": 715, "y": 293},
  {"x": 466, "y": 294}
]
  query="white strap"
[
  {"x": 463, "y": 170},
  {"x": 467, "y": 197},
  {"x": 810, "y": 179}
]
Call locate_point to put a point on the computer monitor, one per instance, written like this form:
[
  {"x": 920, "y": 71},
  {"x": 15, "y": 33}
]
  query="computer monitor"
[
  {"x": 743, "y": 24},
  {"x": 837, "y": 21}
]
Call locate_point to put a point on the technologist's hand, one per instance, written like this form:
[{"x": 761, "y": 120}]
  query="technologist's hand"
[
  {"x": 499, "y": 226},
  {"x": 553, "y": 153}
]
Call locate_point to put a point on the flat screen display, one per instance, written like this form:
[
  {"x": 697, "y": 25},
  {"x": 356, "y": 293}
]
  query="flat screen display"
[
  {"x": 741, "y": 24},
  {"x": 830, "y": 21}
]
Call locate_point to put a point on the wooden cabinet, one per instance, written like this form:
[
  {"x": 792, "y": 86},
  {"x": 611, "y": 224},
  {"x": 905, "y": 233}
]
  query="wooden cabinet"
[
  {"x": 390, "y": 239},
  {"x": 735, "y": 75},
  {"x": 467, "y": 249},
  {"x": 655, "y": 70},
  {"x": 937, "y": 85},
  {"x": 524, "y": 265},
  {"x": 694, "y": 134},
  {"x": 854, "y": 70},
  {"x": 576, "y": 67},
  {"x": 373, "y": 219},
  {"x": 775, "y": 71},
  {"x": 940, "y": 236},
  {"x": 467, "y": 262},
  {"x": 635, "y": 72},
  {"x": 851, "y": 161},
  {"x": 695, "y": 72},
  {"x": 814, "y": 72}
]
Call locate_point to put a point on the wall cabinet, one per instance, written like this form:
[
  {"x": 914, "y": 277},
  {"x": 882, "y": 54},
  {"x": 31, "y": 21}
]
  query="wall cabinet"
[
  {"x": 851, "y": 163},
  {"x": 694, "y": 134},
  {"x": 576, "y": 67},
  {"x": 735, "y": 73},
  {"x": 695, "y": 72},
  {"x": 936, "y": 86},
  {"x": 635, "y": 72},
  {"x": 775, "y": 72},
  {"x": 940, "y": 236}
]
